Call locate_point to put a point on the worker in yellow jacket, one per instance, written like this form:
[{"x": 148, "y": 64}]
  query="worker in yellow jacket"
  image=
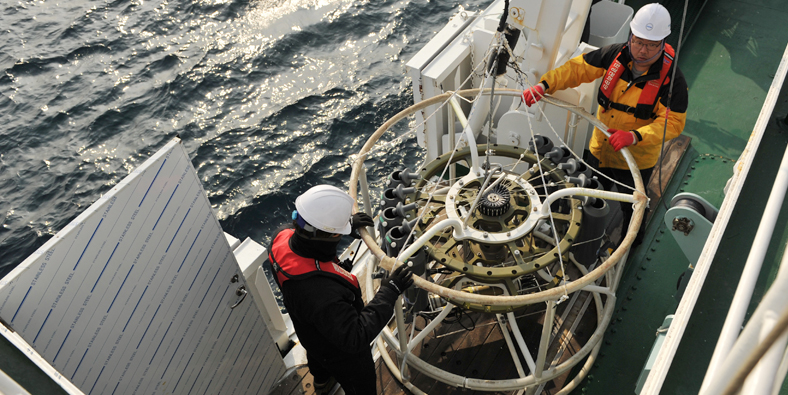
[{"x": 633, "y": 97}]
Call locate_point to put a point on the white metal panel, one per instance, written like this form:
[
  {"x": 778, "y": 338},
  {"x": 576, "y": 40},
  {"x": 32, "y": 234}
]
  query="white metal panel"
[
  {"x": 524, "y": 14},
  {"x": 425, "y": 55},
  {"x": 134, "y": 295},
  {"x": 441, "y": 40}
]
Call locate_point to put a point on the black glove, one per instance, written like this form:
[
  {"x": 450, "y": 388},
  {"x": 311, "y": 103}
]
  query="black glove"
[
  {"x": 347, "y": 264},
  {"x": 359, "y": 220},
  {"x": 399, "y": 280}
]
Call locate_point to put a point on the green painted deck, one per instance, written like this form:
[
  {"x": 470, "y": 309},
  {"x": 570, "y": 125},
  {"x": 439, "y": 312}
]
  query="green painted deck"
[{"x": 729, "y": 60}]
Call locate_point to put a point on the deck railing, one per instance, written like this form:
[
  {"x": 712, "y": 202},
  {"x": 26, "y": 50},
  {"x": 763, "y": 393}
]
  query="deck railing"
[{"x": 736, "y": 354}]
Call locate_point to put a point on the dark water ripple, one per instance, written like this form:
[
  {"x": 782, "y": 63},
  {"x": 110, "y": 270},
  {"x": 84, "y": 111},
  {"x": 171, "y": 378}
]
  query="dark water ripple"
[{"x": 270, "y": 97}]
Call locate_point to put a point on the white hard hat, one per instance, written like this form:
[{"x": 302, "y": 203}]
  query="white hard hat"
[
  {"x": 327, "y": 208},
  {"x": 652, "y": 22}
]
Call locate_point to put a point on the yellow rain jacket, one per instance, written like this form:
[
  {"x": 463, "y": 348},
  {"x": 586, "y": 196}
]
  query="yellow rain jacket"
[{"x": 593, "y": 65}]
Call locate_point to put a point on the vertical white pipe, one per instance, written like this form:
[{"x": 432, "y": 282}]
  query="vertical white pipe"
[
  {"x": 752, "y": 268},
  {"x": 455, "y": 105},
  {"x": 762, "y": 379},
  {"x": 529, "y": 360},
  {"x": 452, "y": 143},
  {"x": 401, "y": 333},
  {"x": 749, "y": 340},
  {"x": 362, "y": 180},
  {"x": 470, "y": 138},
  {"x": 779, "y": 378},
  {"x": 510, "y": 344},
  {"x": 547, "y": 330},
  {"x": 574, "y": 119}
]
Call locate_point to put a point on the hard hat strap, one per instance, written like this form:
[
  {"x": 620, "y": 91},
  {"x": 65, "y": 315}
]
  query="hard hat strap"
[
  {"x": 309, "y": 232},
  {"x": 301, "y": 222}
]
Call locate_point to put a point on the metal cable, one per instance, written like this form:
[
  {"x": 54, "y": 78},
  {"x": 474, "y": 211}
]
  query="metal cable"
[{"x": 667, "y": 106}]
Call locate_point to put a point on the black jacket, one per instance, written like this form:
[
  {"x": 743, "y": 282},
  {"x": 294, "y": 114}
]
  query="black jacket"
[{"x": 330, "y": 319}]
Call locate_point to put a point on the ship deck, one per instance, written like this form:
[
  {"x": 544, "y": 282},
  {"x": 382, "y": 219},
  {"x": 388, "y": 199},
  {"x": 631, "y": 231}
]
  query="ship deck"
[
  {"x": 729, "y": 60},
  {"x": 730, "y": 54},
  {"x": 471, "y": 345}
]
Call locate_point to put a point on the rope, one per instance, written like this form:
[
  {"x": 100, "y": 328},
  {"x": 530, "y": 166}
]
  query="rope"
[
  {"x": 549, "y": 210},
  {"x": 667, "y": 106},
  {"x": 763, "y": 347}
]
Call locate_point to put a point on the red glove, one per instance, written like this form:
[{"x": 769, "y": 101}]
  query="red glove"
[
  {"x": 621, "y": 138},
  {"x": 533, "y": 94}
]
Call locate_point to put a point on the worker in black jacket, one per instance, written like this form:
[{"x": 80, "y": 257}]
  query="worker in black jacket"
[{"x": 323, "y": 298}]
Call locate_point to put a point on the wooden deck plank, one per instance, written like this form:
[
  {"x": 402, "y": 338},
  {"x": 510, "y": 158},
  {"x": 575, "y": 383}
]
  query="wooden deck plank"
[
  {"x": 500, "y": 365},
  {"x": 493, "y": 345},
  {"x": 424, "y": 351},
  {"x": 576, "y": 340},
  {"x": 674, "y": 150},
  {"x": 384, "y": 376},
  {"x": 467, "y": 351},
  {"x": 387, "y": 384},
  {"x": 435, "y": 349},
  {"x": 496, "y": 363},
  {"x": 298, "y": 381},
  {"x": 492, "y": 358}
]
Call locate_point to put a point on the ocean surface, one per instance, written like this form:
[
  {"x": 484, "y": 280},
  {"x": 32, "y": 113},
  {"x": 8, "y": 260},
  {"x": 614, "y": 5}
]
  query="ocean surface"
[{"x": 269, "y": 98}]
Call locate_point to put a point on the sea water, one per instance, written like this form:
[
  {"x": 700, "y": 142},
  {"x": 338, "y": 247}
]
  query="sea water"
[{"x": 269, "y": 98}]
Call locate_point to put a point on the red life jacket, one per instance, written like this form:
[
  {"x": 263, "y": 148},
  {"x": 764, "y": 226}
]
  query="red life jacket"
[
  {"x": 648, "y": 96},
  {"x": 288, "y": 265}
]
